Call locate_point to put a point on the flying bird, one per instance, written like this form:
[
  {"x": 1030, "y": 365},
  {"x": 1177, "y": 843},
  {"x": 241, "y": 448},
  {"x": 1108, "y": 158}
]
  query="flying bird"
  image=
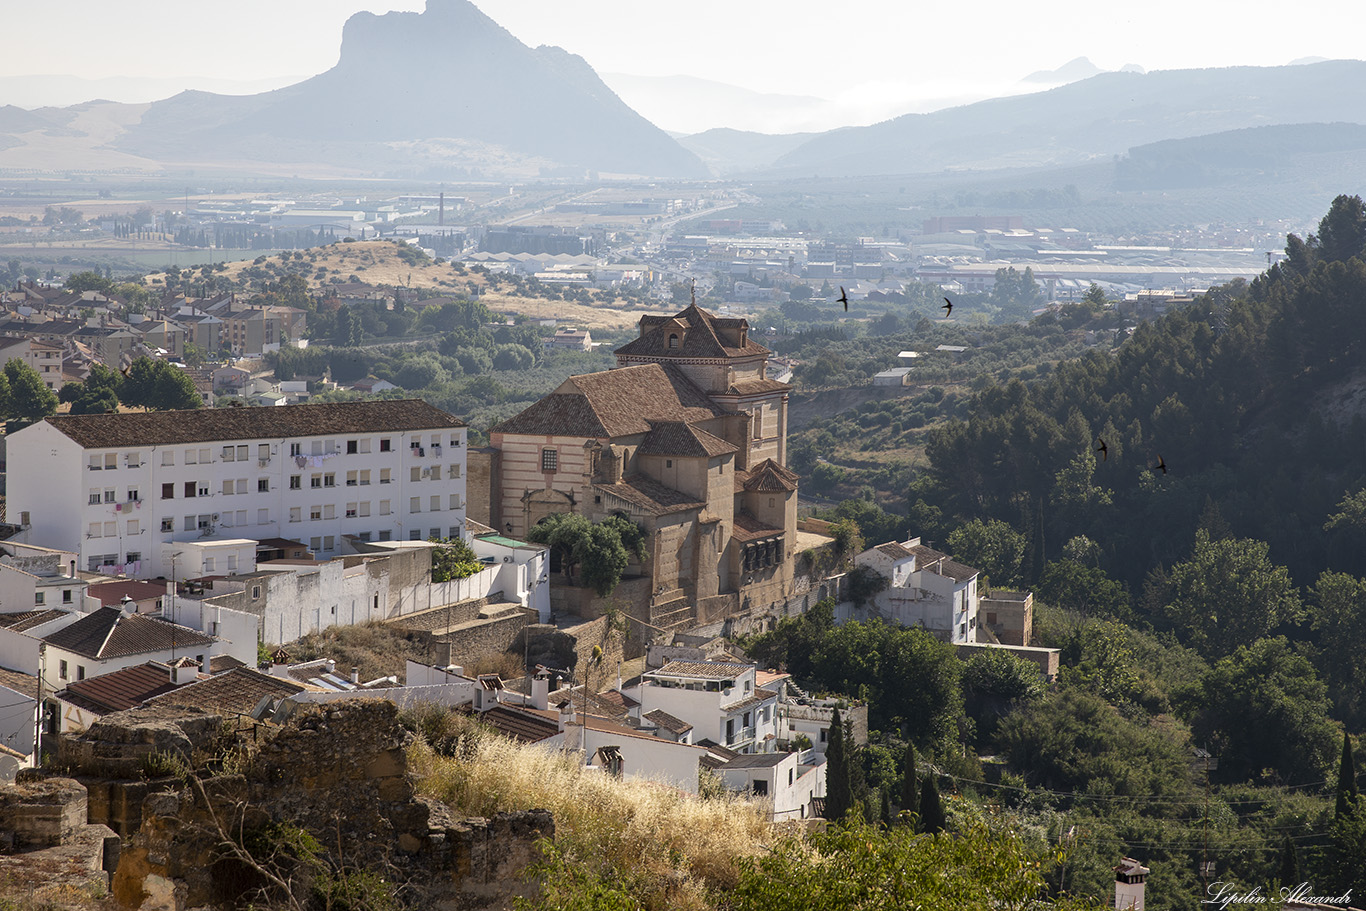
[
  {"x": 1103, "y": 450},
  {"x": 947, "y": 308},
  {"x": 844, "y": 299},
  {"x": 1161, "y": 464}
]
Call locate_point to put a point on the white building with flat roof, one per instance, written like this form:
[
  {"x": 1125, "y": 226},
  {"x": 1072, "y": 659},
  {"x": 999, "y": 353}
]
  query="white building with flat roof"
[{"x": 138, "y": 493}]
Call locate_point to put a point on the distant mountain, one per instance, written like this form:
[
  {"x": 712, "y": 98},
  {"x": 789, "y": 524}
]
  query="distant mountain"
[
  {"x": 687, "y": 104},
  {"x": 446, "y": 86},
  {"x": 1080, "y": 68},
  {"x": 1098, "y": 117},
  {"x": 61, "y": 90},
  {"x": 728, "y": 151},
  {"x": 1222, "y": 159}
]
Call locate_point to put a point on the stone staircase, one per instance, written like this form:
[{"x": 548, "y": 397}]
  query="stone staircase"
[{"x": 672, "y": 612}]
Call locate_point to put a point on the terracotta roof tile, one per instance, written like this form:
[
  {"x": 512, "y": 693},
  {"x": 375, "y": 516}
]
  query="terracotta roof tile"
[
  {"x": 668, "y": 722},
  {"x": 237, "y": 691},
  {"x": 700, "y": 335},
  {"x": 19, "y": 682},
  {"x": 614, "y": 403},
  {"x": 894, "y": 550},
  {"x": 706, "y": 670},
  {"x": 119, "y": 690},
  {"x": 678, "y": 439},
  {"x": 519, "y": 724},
  {"x": 942, "y": 564},
  {"x": 103, "y": 431},
  {"x": 757, "y": 387},
  {"x": 748, "y": 528},
  {"x": 109, "y": 633},
  {"x": 23, "y": 621},
  {"x": 770, "y": 477},
  {"x": 650, "y": 495}
]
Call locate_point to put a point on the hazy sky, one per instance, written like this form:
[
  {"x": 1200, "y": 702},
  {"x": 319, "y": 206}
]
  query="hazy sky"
[{"x": 878, "y": 52}]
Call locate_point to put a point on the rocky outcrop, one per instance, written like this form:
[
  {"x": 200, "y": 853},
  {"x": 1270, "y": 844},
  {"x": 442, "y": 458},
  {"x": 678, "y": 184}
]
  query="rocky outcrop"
[
  {"x": 339, "y": 773},
  {"x": 47, "y": 850}
]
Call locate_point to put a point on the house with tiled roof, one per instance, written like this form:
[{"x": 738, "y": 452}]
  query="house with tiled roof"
[
  {"x": 129, "y": 492},
  {"x": 19, "y": 696},
  {"x": 925, "y": 588},
  {"x": 80, "y": 703},
  {"x": 719, "y": 700},
  {"x": 109, "y": 639},
  {"x": 687, "y": 438}
]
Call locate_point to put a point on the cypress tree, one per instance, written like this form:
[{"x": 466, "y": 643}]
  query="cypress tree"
[
  {"x": 1347, "y": 779},
  {"x": 910, "y": 786},
  {"x": 839, "y": 795},
  {"x": 932, "y": 817},
  {"x": 886, "y": 806},
  {"x": 1289, "y": 874}
]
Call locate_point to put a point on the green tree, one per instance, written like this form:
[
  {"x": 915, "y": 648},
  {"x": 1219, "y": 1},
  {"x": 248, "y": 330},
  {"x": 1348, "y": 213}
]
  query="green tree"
[
  {"x": 992, "y": 547},
  {"x": 454, "y": 559},
  {"x": 996, "y": 683},
  {"x": 1288, "y": 872},
  {"x": 1347, "y": 779},
  {"x": 1228, "y": 594},
  {"x": 839, "y": 788},
  {"x": 910, "y": 782},
  {"x": 1342, "y": 232},
  {"x": 158, "y": 386},
  {"x": 28, "y": 399},
  {"x": 863, "y": 867},
  {"x": 79, "y": 282},
  {"x": 1264, "y": 707},
  {"x": 1337, "y": 615},
  {"x": 601, "y": 552},
  {"x": 1084, "y": 589},
  {"x": 932, "y": 818}
]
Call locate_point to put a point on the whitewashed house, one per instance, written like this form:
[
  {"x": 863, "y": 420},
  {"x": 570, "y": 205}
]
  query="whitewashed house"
[
  {"x": 788, "y": 781},
  {"x": 720, "y": 700},
  {"x": 129, "y": 492},
  {"x": 925, "y": 588}
]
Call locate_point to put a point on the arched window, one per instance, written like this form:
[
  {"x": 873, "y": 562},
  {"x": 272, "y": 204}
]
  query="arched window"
[{"x": 673, "y": 339}]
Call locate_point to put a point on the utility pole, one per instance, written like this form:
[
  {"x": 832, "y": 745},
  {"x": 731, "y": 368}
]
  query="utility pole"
[{"x": 38, "y": 710}]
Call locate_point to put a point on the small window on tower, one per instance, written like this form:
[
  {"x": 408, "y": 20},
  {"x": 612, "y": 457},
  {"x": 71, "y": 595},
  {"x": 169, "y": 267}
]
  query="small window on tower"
[{"x": 550, "y": 460}]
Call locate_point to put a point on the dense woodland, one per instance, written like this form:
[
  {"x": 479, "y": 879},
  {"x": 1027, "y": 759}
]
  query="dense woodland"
[{"x": 1218, "y": 604}]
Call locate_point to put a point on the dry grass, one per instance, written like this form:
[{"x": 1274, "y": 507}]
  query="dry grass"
[{"x": 677, "y": 849}]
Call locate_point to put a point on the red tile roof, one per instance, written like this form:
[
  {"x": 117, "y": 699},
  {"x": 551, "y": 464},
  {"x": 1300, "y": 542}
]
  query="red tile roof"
[
  {"x": 156, "y": 428},
  {"x": 119, "y": 690},
  {"x": 237, "y": 691},
  {"x": 649, "y": 495},
  {"x": 770, "y": 477},
  {"x": 675, "y": 438},
  {"x": 699, "y": 334},
  {"x": 109, "y": 633}
]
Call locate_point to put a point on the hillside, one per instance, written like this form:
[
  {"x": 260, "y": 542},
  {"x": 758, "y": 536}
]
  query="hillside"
[
  {"x": 1097, "y": 117},
  {"x": 377, "y": 262}
]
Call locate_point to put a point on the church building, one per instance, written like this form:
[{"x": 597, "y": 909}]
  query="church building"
[{"x": 686, "y": 436}]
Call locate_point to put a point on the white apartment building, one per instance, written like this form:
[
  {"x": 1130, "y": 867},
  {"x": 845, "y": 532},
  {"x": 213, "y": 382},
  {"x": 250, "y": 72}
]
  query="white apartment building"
[
  {"x": 720, "y": 700},
  {"x": 127, "y": 492}
]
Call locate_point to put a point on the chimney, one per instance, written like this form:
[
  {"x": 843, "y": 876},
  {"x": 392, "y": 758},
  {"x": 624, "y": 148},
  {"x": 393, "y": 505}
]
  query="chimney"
[
  {"x": 566, "y": 714},
  {"x": 540, "y": 690},
  {"x": 183, "y": 671},
  {"x": 1130, "y": 884},
  {"x": 279, "y": 663},
  {"x": 355, "y": 675},
  {"x": 331, "y": 666}
]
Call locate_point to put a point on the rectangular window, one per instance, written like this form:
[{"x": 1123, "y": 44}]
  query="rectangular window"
[
  {"x": 455, "y": 470},
  {"x": 315, "y": 481},
  {"x": 316, "y": 447},
  {"x": 350, "y": 510},
  {"x": 232, "y": 563},
  {"x": 365, "y": 445},
  {"x": 133, "y": 459},
  {"x": 168, "y": 457},
  {"x": 263, "y": 516},
  {"x": 133, "y": 527},
  {"x": 454, "y": 533},
  {"x": 111, "y": 529},
  {"x": 242, "y": 450},
  {"x": 433, "y": 534},
  {"x": 204, "y": 521},
  {"x": 204, "y": 488},
  {"x": 39, "y": 597},
  {"x": 384, "y": 476},
  {"x": 415, "y": 504},
  {"x": 296, "y": 514},
  {"x": 263, "y": 485},
  {"x": 229, "y": 454},
  {"x": 167, "y": 491},
  {"x": 241, "y": 517},
  {"x": 315, "y": 513},
  {"x": 227, "y": 487},
  {"x": 365, "y": 477},
  {"x": 434, "y": 503},
  {"x": 96, "y": 530},
  {"x": 365, "y": 509},
  {"x": 192, "y": 457},
  {"x": 93, "y": 499},
  {"x": 189, "y": 523},
  {"x": 384, "y": 509},
  {"x": 66, "y": 596},
  {"x": 384, "y": 445},
  {"x": 296, "y": 449},
  {"x": 329, "y": 511},
  {"x": 352, "y": 447},
  {"x": 134, "y": 556},
  {"x": 352, "y": 478},
  {"x": 241, "y": 485},
  {"x": 109, "y": 495},
  {"x": 415, "y": 474},
  {"x": 80, "y": 672},
  {"x": 204, "y": 457},
  {"x": 296, "y": 482},
  {"x": 386, "y": 535},
  {"x": 111, "y": 461},
  {"x": 263, "y": 452},
  {"x": 550, "y": 460},
  {"x": 455, "y": 501},
  {"x": 190, "y": 488},
  {"x": 167, "y": 523},
  {"x": 329, "y": 480},
  {"x": 133, "y": 496},
  {"x": 209, "y": 564},
  {"x": 315, "y": 544},
  {"x": 330, "y": 543},
  {"x": 96, "y": 463},
  {"x": 61, "y": 669},
  {"x": 415, "y": 535}
]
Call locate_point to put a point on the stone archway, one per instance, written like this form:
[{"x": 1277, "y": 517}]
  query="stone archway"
[{"x": 537, "y": 504}]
